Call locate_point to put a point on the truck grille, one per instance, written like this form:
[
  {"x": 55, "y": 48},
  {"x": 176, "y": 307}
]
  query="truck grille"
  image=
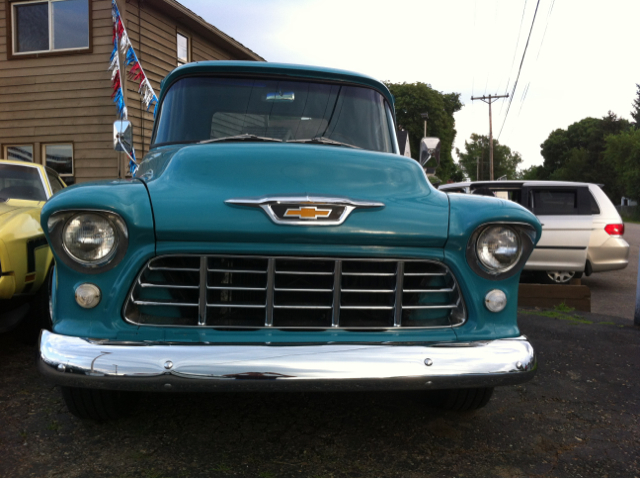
[{"x": 252, "y": 292}]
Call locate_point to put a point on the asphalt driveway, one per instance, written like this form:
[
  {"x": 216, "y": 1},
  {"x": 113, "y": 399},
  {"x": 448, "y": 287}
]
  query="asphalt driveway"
[
  {"x": 614, "y": 292},
  {"x": 578, "y": 417}
]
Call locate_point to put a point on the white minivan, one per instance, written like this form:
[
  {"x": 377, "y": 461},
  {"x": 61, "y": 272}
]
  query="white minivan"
[{"x": 581, "y": 229}]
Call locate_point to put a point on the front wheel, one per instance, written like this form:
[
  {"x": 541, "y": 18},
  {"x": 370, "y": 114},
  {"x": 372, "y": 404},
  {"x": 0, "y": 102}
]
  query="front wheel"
[
  {"x": 467, "y": 399},
  {"x": 98, "y": 404}
]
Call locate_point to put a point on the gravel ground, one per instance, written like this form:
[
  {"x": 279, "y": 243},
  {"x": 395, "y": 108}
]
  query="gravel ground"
[{"x": 578, "y": 417}]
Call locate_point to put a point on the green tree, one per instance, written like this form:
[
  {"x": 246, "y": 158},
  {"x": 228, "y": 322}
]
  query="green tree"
[
  {"x": 412, "y": 99},
  {"x": 531, "y": 173},
  {"x": 623, "y": 152},
  {"x": 635, "y": 113},
  {"x": 475, "y": 159},
  {"x": 578, "y": 153}
]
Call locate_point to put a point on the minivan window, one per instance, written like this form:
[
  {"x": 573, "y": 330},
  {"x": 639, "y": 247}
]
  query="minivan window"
[{"x": 554, "y": 202}]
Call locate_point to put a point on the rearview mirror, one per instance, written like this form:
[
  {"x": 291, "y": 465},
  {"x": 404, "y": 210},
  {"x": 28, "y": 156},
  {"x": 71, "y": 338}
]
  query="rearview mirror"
[
  {"x": 430, "y": 149},
  {"x": 123, "y": 136}
]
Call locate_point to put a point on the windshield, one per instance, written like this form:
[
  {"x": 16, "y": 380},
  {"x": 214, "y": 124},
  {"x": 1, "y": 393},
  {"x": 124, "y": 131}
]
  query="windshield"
[
  {"x": 205, "y": 108},
  {"x": 21, "y": 182}
]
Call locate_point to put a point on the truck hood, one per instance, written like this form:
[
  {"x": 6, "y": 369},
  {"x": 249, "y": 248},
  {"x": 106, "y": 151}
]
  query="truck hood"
[{"x": 189, "y": 185}]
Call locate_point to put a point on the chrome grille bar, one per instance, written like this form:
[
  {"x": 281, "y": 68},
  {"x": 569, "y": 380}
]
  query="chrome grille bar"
[
  {"x": 271, "y": 274},
  {"x": 337, "y": 279},
  {"x": 202, "y": 304},
  {"x": 397, "y": 317},
  {"x": 311, "y": 293}
]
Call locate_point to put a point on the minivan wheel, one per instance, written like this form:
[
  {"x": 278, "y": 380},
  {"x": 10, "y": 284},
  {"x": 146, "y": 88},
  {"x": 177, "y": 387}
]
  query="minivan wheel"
[
  {"x": 98, "y": 404},
  {"x": 560, "y": 277}
]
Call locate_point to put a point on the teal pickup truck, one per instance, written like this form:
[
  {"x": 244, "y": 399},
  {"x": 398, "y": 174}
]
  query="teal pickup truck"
[{"x": 274, "y": 239}]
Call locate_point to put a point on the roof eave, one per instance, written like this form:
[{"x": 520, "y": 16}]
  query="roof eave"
[{"x": 204, "y": 28}]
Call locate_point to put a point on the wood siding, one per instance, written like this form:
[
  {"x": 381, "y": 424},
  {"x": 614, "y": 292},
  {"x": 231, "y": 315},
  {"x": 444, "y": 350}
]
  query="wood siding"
[
  {"x": 153, "y": 35},
  {"x": 67, "y": 98}
]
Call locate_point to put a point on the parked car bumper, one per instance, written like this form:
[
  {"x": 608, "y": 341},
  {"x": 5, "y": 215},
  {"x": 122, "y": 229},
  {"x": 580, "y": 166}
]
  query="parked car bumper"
[
  {"x": 547, "y": 258},
  {"x": 610, "y": 255},
  {"x": 77, "y": 362}
]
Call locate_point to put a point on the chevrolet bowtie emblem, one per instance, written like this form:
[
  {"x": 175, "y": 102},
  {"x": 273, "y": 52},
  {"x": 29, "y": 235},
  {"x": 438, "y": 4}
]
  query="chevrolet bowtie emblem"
[{"x": 306, "y": 210}]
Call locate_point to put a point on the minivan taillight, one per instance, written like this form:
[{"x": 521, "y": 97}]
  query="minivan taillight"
[{"x": 615, "y": 230}]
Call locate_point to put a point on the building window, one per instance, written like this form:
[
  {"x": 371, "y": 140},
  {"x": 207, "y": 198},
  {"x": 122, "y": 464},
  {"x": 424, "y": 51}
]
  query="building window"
[
  {"x": 183, "y": 49},
  {"x": 19, "y": 152},
  {"x": 59, "y": 157},
  {"x": 49, "y": 26}
]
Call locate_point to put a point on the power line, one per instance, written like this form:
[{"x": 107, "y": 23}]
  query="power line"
[
  {"x": 545, "y": 28},
  {"x": 515, "y": 50},
  {"x": 524, "y": 53},
  {"x": 524, "y": 96},
  {"x": 475, "y": 8}
]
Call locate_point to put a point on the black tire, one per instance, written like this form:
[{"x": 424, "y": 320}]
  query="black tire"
[
  {"x": 98, "y": 404},
  {"x": 468, "y": 399}
]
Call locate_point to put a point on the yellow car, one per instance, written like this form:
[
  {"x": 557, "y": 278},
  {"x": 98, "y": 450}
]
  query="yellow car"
[{"x": 25, "y": 257}]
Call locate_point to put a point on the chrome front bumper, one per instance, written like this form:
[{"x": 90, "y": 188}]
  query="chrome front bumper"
[{"x": 77, "y": 362}]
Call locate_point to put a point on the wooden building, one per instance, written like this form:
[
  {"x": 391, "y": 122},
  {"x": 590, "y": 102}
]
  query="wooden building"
[{"x": 55, "y": 87}]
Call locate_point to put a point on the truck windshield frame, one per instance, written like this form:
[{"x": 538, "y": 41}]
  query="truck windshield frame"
[{"x": 202, "y": 109}]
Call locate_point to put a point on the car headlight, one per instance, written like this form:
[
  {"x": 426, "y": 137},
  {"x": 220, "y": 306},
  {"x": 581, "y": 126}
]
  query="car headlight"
[
  {"x": 498, "y": 248},
  {"x": 88, "y": 241},
  {"x": 90, "y": 238}
]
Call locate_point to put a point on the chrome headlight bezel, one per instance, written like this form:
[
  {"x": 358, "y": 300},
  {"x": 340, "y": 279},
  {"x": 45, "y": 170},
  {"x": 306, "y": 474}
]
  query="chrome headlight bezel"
[
  {"x": 526, "y": 235},
  {"x": 58, "y": 222}
]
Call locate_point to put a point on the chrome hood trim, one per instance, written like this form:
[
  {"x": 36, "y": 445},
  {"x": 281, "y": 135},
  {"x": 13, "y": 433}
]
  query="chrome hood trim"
[{"x": 337, "y": 208}]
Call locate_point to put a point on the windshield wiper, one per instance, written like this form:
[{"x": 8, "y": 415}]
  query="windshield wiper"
[
  {"x": 323, "y": 140},
  {"x": 243, "y": 137}
]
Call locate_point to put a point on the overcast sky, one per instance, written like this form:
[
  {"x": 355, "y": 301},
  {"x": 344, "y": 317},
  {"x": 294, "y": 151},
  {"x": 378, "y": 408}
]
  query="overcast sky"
[{"x": 582, "y": 59}]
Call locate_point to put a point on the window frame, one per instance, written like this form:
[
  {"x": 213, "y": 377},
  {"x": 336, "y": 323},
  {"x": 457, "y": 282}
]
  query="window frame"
[
  {"x": 10, "y": 29},
  {"x": 188, "y": 37},
  {"x": 73, "y": 157},
  {"x": 6, "y": 146}
]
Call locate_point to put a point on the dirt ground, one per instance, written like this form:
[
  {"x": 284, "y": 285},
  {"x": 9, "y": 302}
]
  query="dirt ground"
[{"x": 578, "y": 417}]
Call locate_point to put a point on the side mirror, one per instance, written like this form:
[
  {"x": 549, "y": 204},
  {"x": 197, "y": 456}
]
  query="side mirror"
[
  {"x": 430, "y": 148},
  {"x": 123, "y": 136}
]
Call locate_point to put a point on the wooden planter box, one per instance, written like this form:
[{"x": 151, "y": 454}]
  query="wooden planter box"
[{"x": 550, "y": 295}]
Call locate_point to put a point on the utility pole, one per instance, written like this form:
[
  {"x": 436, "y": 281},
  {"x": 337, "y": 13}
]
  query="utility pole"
[
  {"x": 425, "y": 117},
  {"x": 489, "y": 100}
]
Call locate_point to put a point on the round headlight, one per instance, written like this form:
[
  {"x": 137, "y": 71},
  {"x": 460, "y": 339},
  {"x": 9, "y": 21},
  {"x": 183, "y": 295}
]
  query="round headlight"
[
  {"x": 90, "y": 238},
  {"x": 498, "y": 249}
]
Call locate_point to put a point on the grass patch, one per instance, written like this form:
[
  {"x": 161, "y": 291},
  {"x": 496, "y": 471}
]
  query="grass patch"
[
  {"x": 629, "y": 219},
  {"x": 561, "y": 312},
  {"x": 53, "y": 426},
  {"x": 563, "y": 308},
  {"x": 222, "y": 467}
]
